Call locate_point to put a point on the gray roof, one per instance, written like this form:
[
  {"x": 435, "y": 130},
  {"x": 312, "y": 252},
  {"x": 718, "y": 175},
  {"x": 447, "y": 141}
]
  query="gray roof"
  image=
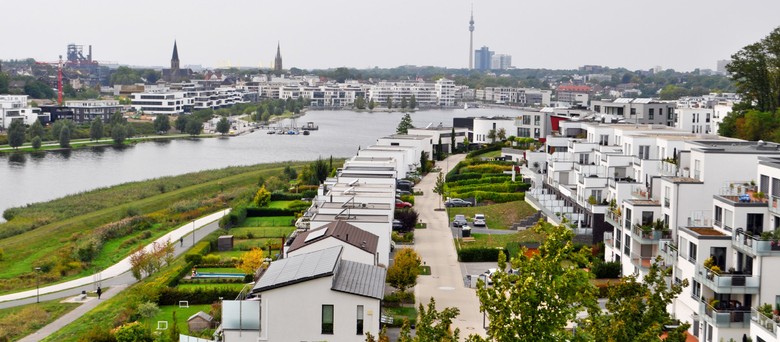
[
  {"x": 321, "y": 263},
  {"x": 360, "y": 279},
  {"x": 201, "y": 314},
  {"x": 342, "y": 231}
]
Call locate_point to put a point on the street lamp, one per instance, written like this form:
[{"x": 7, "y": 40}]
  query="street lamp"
[{"x": 37, "y": 285}]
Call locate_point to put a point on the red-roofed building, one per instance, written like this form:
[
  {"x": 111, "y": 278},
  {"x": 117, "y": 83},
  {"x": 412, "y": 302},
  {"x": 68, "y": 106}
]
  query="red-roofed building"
[{"x": 573, "y": 94}]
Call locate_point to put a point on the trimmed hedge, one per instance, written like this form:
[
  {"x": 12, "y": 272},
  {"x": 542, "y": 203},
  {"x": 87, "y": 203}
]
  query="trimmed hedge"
[
  {"x": 491, "y": 196},
  {"x": 285, "y": 196},
  {"x": 460, "y": 177},
  {"x": 484, "y": 180},
  {"x": 486, "y": 168},
  {"x": 496, "y": 147},
  {"x": 172, "y": 295},
  {"x": 478, "y": 254},
  {"x": 236, "y": 217},
  {"x": 499, "y": 187},
  {"x": 263, "y": 212},
  {"x": 610, "y": 269}
]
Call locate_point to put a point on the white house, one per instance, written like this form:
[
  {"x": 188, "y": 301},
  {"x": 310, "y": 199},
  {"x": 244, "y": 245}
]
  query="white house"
[
  {"x": 317, "y": 296},
  {"x": 358, "y": 245},
  {"x": 483, "y": 126},
  {"x": 162, "y": 102},
  {"x": 15, "y": 107}
]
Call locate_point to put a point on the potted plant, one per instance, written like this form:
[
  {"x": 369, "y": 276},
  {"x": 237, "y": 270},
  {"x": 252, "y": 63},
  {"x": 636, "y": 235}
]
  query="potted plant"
[
  {"x": 709, "y": 262},
  {"x": 715, "y": 269},
  {"x": 592, "y": 200},
  {"x": 714, "y": 302},
  {"x": 765, "y": 309},
  {"x": 777, "y": 309},
  {"x": 759, "y": 196}
]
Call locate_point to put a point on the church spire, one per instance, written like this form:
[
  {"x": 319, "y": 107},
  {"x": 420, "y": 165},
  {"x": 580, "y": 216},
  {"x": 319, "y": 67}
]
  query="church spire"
[
  {"x": 175, "y": 57},
  {"x": 278, "y": 60}
]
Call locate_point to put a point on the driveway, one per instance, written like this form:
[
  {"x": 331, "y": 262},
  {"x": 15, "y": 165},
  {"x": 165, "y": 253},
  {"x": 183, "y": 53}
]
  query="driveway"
[{"x": 436, "y": 247}]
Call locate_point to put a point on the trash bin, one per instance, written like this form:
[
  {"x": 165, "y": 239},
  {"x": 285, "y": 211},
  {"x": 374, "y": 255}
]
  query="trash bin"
[{"x": 466, "y": 232}]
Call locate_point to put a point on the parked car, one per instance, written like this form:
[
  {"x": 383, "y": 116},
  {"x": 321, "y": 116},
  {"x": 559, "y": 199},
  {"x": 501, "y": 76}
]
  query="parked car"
[
  {"x": 405, "y": 182},
  {"x": 397, "y": 225},
  {"x": 399, "y": 204},
  {"x": 456, "y": 202},
  {"x": 460, "y": 221},
  {"x": 403, "y": 187},
  {"x": 402, "y": 192},
  {"x": 488, "y": 276},
  {"x": 479, "y": 220}
]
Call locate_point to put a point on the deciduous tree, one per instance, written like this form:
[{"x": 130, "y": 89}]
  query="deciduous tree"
[
  {"x": 413, "y": 102},
  {"x": 119, "y": 134},
  {"x": 262, "y": 197},
  {"x": 250, "y": 261},
  {"x": 371, "y": 104},
  {"x": 439, "y": 187},
  {"x": 492, "y": 136},
  {"x": 501, "y": 134},
  {"x": 223, "y": 126},
  {"x": 96, "y": 129},
  {"x": 162, "y": 124},
  {"x": 194, "y": 127},
  {"x": 405, "y": 269},
  {"x": 36, "y": 129},
  {"x": 16, "y": 134},
  {"x": 65, "y": 137},
  {"x": 36, "y": 142},
  {"x": 389, "y": 102},
  {"x": 181, "y": 123}
]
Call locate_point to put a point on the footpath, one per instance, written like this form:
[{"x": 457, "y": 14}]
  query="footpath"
[
  {"x": 435, "y": 247},
  {"x": 122, "y": 266}
]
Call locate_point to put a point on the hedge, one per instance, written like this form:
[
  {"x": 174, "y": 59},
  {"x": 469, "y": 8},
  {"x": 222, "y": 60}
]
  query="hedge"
[
  {"x": 236, "y": 217},
  {"x": 496, "y": 147},
  {"x": 491, "y": 196},
  {"x": 263, "y": 212},
  {"x": 486, "y": 168},
  {"x": 459, "y": 177},
  {"x": 478, "y": 254},
  {"x": 285, "y": 196},
  {"x": 603, "y": 269},
  {"x": 172, "y": 295},
  {"x": 484, "y": 180},
  {"x": 500, "y": 187},
  {"x": 183, "y": 272}
]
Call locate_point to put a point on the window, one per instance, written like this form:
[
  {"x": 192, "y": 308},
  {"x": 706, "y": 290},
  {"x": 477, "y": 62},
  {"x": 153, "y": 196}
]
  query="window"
[
  {"x": 537, "y": 120},
  {"x": 327, "y": 319},
  {"x": 526, "y": 119},
  {"x": 763, "y": 184},
  {"x": 697, "y": 169},
  {"x": 667, "y": 194},
  {"x": 604, "y": 139},
  {"x": 651, "y": 113},
  {"x": 633, "y": 111},
  {"x": 695, "y": 289},
  {"x": 644, "y": 152},
  {"x": 718, "y": 216},
  {"x": 692, "y": 252},
  {"x": 627, "y": 246},
  {"x": 647, "y": 218},
  {"x": 360, "y": 320}
]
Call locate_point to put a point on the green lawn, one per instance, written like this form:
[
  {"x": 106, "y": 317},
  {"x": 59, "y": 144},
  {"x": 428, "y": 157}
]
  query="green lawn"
[
  {"x": 237, "y": 286},
  {"x": 220, "y": 270},
  {"x": 400, "y": 313},
  {"x": 497, "y": 216},
  {"x": 260, "y": 232},
  {"x": 496, "y": 240},
  {"x": 425, "y": 270},
  {"x": 491, "y": 154},
  {"x": 279, "y": 204},
  {"x": 166, "y": 314},
  {"x": 269, "y": 221},
  {"x": 24, "y": 320}
]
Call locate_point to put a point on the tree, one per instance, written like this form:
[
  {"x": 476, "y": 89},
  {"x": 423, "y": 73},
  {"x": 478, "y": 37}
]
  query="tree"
[
  {"x": 405, "y": 124},
  {"x": 223, "y": 126},
  {"x": 36, "y": 142},
  {"x": 413, "y": 102},
  {"x": 4, "y": 81},
  {"x": 492, "y": 136},
  {"x": 452, "y": 140},
  {"x": 96, "y": 129},
  {"x": 133, "y": 332},
  {"x": 547, "y": 292},
  {"x": 56, "y": 128},
  {"x": 194, "y": 127},
  {"x": 754, "y": 70},
  {"x": 636, "y": 311},
  {"x": 439, "y": 187},
  {"x": 439, "y": 150},
  {"x": 119, "y": 134},
  {"x": 501, "y": 134},
  {"x": 389, "y": 102},
  {"x": 435, "y": 325},
  {"x": 403, "y": 102},
  {"x": 117, "y": 119},
  {"x": 181, "y": 123},
  {"x": 319, "y": 170},
  {"x": 262, "y": 197},
  {"x": 16, "y": 133},
  {"x": 423, "y": 162},
  {"x": 289, "y": 172},
  {"x": 173, "y": 331},
  {"x": 65, "y": 137},
  {"x": 371, "y": 104},
  {"x": 250, "y": 261},
  {"x": 36, "y": 129},
  {"x": 382, "y": 337},
  {"x": 360, "y": 103},
  {"x": 466, "y": 144},
  {"x": 161, "y": 124},
  {"x": 403, "y": 273}
]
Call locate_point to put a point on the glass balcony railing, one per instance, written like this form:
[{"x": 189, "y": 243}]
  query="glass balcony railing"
[
  {"x": 641, "y": 261},
  {"x": 724, "y": 315},
  {"x": 727, "y": 282},
  {"x": 770, "y": 324},
  {"x": 750, "y": 244},
  {"x": 646, "y": 235}
]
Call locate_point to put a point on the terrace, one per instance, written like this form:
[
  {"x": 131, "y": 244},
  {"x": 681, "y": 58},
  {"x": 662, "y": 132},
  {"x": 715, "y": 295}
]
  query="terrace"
[
  {"x": 727, "y": 282},
  {"x": 747, "y": 243},
  {"x": 725, "y": 315}
]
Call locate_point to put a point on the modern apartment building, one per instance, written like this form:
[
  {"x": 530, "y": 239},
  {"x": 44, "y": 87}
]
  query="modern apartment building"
[
  {"x": 162, "y": 102},
  {"x": 637, "y": 110},
  {"x": 15, "y": 107}
]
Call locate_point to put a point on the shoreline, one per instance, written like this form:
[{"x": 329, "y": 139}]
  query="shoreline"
[{"x": 82, "y": 144}]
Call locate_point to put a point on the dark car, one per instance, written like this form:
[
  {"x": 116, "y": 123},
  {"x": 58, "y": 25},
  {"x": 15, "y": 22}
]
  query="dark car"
[
  {"x": 460, "y": 221},
  {"x": 402, "y": 192},
  {"x": 456, "y": 202},
  {"x": 404, "y": 182},
  {"x": 398, "y": 225}
]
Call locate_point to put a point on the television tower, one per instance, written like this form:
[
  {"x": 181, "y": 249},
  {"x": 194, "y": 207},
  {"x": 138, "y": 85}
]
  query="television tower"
[{"x": 471, "y": 39}]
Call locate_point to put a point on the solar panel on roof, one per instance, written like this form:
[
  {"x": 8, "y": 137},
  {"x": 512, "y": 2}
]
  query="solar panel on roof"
[{"x": 315, "y": 234}]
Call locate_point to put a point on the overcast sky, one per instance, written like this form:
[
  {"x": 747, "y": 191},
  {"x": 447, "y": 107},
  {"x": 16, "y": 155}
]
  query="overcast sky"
[{"x": 678, "y": 34}]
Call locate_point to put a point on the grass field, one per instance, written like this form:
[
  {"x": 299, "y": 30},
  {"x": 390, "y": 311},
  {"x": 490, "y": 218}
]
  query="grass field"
[
  {"x": 266, "y": 231},
  {"x": 166, "y": 314},
  {"x": 496, "y": 240},
  {"x": 268, "y": 221},
  {"x": 220, "y": 270},
  {"x": 279, "y": 204},
  {"x": 236, "y": 286},
  {"x": 498, "y": 216},
  {"x": 400, "y": 313},
  {"x": 24, "y": 320},
  {"x": 491, "y": 154}
]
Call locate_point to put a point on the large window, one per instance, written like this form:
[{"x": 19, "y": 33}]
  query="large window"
[
  {"x": 360, "y": 320},
  {"x": 692, "y": 252},
  {"x": 327, "y": 319},
  {"x": 718, "y": 216}
]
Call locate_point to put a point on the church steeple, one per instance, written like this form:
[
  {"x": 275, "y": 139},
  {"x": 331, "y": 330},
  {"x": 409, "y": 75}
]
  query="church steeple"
[
  {"x": 175, "y": 57},
  {"x": 278, "y": 60}
]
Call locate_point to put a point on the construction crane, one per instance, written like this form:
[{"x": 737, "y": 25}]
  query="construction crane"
[{"x": 59, "y": 77}]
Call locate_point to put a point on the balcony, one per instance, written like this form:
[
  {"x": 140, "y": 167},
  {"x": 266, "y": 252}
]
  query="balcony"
[
  {"x": 640, "y": 192},
  {"x": 725, "y": 315},
  {"x": 669, "y": 253},
  {"x": 668, "y": 168},
  {"x": 749, "y": 244},
  {"x": 770, "y": 324},
  {"x": 774, "y": 205},
  {"x": 609, "y": 240},
  {"x": 646, "y": 235},
  {"x": 725, "y": 282},
  {"x": 613, "y": 219},
  {"x": 641, "y": 261}
]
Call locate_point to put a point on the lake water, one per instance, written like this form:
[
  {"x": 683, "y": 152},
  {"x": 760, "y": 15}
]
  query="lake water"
[{"x": 27, "y": 179}]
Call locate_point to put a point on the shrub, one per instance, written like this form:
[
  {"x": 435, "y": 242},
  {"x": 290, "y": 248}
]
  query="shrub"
[
  {"x": 408, "y": 218},
  {"x": 408, "y": 198},
  {"x": 309, "y": 194},
  {"x": 285, "y": 196},
  {"x": 211, "y": 259},
  {"x": 193, "y": 258},
  {"x": 299, "y": 205},
  {"x": 478, "y": 254},
  {"x": 491, "y": 196},
  {"x": 610, "y": 269},
  {"x": 172, "y": 295},
  {"x": 263, "y": 212},
  {"x": 485, "y": 168},
  {"x": 202, "y": 248},
  {"x": 472, "y": 154}
]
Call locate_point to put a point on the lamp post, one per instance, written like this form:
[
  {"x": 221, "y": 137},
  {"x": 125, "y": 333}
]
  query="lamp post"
[{"x": 37, "y": 285}]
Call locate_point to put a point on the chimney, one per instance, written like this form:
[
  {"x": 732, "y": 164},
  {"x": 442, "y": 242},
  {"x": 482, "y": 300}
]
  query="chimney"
[{"x": 89, "y": 57}]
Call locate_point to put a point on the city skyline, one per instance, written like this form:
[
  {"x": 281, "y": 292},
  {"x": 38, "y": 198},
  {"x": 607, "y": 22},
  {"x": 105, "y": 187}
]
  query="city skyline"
[{"x": 560, "y": 35}]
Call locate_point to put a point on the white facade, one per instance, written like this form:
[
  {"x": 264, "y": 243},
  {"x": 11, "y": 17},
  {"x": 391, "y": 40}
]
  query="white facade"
[
  {"x": 483, "y": 126},
  {"x": 15, "y": 107},
  {"x": 695, "y": 120},
  {"x": 419, "y": 142},
  {"x": 164, "y": 102},
  {"x": 444, "y": 133},
  {"x": 424, "y": 93},
  {"x": 445, "y": 92}
]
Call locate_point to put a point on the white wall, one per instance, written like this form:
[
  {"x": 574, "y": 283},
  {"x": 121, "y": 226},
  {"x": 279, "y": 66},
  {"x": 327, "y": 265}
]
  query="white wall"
[{"x": 483, "y": 125}]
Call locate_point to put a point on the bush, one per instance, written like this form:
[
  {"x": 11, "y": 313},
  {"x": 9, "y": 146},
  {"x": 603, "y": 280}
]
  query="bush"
[
  {"x": 193, "y": 258},
  {"x": 397, "y": 298},
  {"x": 202, "y": 248},
  {"x": 172, "y": 295},
  {"x": 285, "y": 196},
  {"x": 610, "y": 269},
  {"x": 458, "y": 177},
  {"x": 236, "y": 217},
  {"x": 485, "y": 168},
  {"x": 211, "y": 259},
  {"x": 309, "y": 194},
  {"x": 483, "y": 180},
  {"x": 263, "y": 212},
  {"x": 490, "y": 148},
  {"x": 491, "y": 196},
  {"x": 408, "y": 218},
  {"x": 299, "y": 205},
  {"x": 478, "y": 254},
  {"x": 408, "y": 198}
]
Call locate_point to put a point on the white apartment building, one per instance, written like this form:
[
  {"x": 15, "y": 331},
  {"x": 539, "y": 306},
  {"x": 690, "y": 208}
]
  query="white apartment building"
[
  {"x": 637, "y": 110},
  {"x": 483, "y": 126},
  {"x": 214, "y": 99},
  {"x": 162, "y": 102},
  {"x": 445, "y": 92},
  {"x": 695, "y": 120},
  {"x": 525, "y": 97},
  {"x": 443, "y": 134},
  {"x": 15, "y": 107},
  {"x": 424, "y": 93}
]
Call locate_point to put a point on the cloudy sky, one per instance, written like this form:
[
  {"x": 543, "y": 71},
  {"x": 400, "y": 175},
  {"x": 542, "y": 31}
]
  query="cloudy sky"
[{"x": 678, "y": 34}]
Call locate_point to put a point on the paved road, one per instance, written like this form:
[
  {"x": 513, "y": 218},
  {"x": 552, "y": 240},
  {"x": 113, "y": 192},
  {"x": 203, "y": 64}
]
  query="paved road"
[
  {"x": 435, "y": 246},
  {"x": 115, "y": 283}
]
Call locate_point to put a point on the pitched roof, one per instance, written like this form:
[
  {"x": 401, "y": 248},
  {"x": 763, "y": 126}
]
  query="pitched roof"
[
  {"x": 300, "y": 268},
  {"x": 360, "y": 279},
  {"x": 175, "y": 52},
  {"x": 201, "y": 314},
  {"x": 340, "y": 230}
]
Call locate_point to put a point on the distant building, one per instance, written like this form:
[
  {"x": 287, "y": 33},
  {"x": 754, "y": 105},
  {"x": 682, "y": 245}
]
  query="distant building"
[
  {"x": 721, "y": 66},
  {"x": 86, "y": 111},
  {"x": 163, "y": 102},
  {"x": 278, "y": 60},
  {"x": 483, "y": 58},
  {"x": 445, "y": 92},
  {"x": 501, "y": 62},
  {"x": 15, "y": 107},
  {"x": 573, "y": 94},
  {"x": 175, "y": 74},
  {"x": 639, "y": 110}
]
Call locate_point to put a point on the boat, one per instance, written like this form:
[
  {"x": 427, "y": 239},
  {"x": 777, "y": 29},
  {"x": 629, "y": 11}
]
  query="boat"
[{"x": 310, "y": 126}]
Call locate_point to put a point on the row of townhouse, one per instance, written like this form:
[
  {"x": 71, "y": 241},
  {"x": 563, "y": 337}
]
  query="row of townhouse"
[
  {"x": 650, "y": 192},
  {"x": 334, "y": 264},
  {"x": 526, "y": 97},
  {"x": 184, "y": 99}
]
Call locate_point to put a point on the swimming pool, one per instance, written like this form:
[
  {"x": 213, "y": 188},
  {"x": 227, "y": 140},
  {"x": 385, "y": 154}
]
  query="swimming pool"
[{"x": 218, "y": 275}]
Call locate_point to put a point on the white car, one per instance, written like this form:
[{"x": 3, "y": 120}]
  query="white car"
[
  {"x": 479, "y": 220},
  {"x": 488, "y": 276}
]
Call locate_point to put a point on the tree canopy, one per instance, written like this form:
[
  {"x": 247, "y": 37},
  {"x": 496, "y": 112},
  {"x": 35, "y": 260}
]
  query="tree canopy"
[{"x": 405, "y": 124}]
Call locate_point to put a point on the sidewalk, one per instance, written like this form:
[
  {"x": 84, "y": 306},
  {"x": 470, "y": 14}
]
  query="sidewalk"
[
  {"x": 123, "y": 265},
  {"x": 72, "y": 316},
  {"x": 435, "y": 247}
]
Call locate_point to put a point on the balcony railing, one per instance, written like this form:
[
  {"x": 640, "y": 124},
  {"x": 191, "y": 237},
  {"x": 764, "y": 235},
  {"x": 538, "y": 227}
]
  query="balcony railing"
[
  {"x": 669, "y": 252},
  {"x": 646, "y": 236},
  {"x": 725, "y": 316},
  {"x": 754, "y": 246},
  {"x": 770, "y": 324},
  {"x": 614, "y": 219},
  {"x": 727, "y": 282},
  {"x": 641, "y": 261},
  {"x": 640, "y": 192},
  {"x": 608, "y": 239}
]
